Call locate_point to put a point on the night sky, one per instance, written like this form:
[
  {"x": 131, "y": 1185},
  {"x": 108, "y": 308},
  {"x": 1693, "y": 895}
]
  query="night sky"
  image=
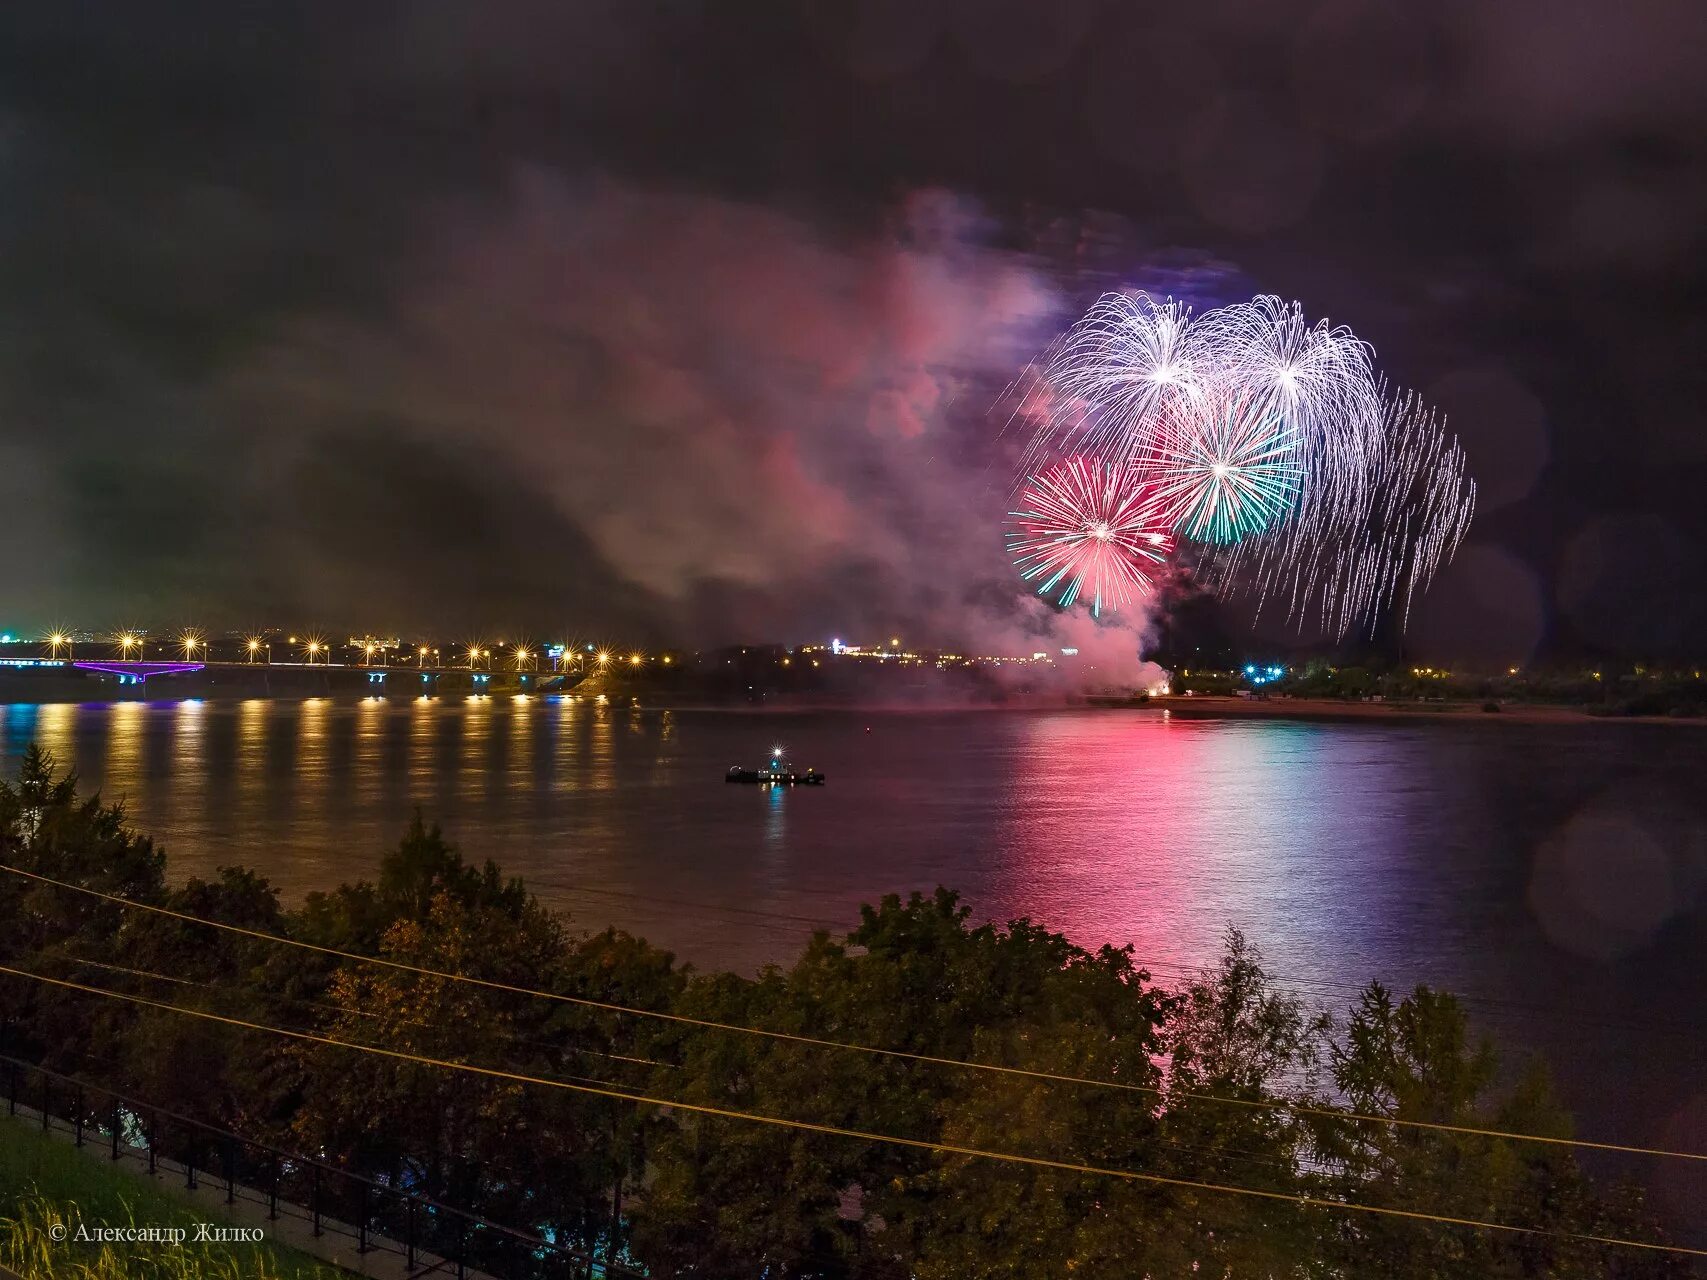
[{"x": 686, "y": 321}]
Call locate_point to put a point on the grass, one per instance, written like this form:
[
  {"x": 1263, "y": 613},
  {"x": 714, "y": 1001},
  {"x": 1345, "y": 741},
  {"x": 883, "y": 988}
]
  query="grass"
[{"x": 44, "y": 1181}]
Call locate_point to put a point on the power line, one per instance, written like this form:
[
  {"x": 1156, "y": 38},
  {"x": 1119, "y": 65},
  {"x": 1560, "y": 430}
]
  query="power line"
[
  {"x": 1487, "y": 1008},
  {"x": 1297, "y": 1108},
  {"x": 1215, "y": 1153},
  {"x": 326, "y": 1006},
  {"x": 920, "y": 1144},
  {"x": 1491, "y": 1007}
]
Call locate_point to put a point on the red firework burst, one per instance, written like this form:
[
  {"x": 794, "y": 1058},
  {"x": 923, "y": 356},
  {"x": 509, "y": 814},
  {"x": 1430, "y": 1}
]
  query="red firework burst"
[{"x": 1088, "y": 529}]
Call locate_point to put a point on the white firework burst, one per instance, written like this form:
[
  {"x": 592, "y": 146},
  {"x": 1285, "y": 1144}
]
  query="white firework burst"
[{"x": 1271, "y": 443}]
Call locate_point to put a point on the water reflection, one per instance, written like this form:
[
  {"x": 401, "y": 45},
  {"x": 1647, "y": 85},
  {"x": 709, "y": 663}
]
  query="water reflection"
[
  {"x": 422, "y": 719},
  {"x": 520, "y": 737},
  {"x": 251, "y": 752},
  {"x": 776, "y": 819},
  {"x": 311, "y": 738},
  {"x": 19, "y": 727},
  {"x": 53, "y": 727},
  {"x": 1162, "y": 832},
  {"x": 598, "y": 771},
  {"x": 367, "y": 755},
  {"x": 125, "y": 744}
]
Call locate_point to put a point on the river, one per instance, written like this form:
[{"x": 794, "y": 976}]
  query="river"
[{"x": 1554, "y": 875}]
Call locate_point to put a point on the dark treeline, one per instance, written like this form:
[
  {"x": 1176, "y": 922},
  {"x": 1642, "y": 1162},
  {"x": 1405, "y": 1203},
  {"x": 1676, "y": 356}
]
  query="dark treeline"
[
  {"x": 692, "y": 1195},
  {"x": 1638, "y": 691}
]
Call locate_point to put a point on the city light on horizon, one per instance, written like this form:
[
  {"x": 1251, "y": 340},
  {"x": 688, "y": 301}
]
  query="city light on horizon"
[{"x": 520, "y": 655}]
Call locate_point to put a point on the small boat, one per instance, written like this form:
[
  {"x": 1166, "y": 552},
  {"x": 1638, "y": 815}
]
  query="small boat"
[{"x": 778, "y": 773}]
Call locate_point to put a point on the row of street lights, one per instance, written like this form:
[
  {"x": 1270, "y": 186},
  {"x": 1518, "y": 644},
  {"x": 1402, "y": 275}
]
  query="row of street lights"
[{"x": 193, "y": 646}]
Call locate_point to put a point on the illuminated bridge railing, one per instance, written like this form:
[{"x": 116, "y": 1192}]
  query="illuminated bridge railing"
[{"x": 137, "y": 672}]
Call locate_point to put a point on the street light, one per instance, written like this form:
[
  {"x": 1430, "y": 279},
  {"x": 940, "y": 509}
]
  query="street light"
[
  {"x": 604, "y": 659},
  {"x": 189, "y": 642},
  {"x": 254, "y": 647},
  {"x": 473, "y": 655},
  {"x": 370, "y": 649},
  {"x": 423, "y": 657},
  {"x": 312, "y": 649},
  {"x": 58, "y": 641},
  {"x": 522, "y": 658},
  {"x": 127, "y": 642}
]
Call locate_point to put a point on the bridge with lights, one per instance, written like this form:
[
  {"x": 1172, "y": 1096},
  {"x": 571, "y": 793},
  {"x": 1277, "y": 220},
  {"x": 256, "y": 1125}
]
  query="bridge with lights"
[
  {"x": 135, "y": 659},
  {"x": 65, "y": 663},
  {"x": 136, "y": 655},
  {"x": 379, "y": 679}
]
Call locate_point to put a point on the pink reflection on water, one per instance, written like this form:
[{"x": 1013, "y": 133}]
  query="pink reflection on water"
[{"x": 1162, "y": 832}]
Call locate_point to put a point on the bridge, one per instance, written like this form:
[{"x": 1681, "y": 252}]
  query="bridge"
[
  {"x": 135, "y": 672},
  {"x": 139, "y": 672}
]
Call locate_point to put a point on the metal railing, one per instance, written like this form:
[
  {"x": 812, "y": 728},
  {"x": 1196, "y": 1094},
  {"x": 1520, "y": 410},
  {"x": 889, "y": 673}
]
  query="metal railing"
[{"x": 377, "y": 1215}]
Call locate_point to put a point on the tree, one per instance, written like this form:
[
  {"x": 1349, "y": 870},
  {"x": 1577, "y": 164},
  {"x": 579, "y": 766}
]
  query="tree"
[
  {"x": 48, "y": 829},
  {"x": 1414, "y": 1060},
  {"x": 729, "y": 1198}
]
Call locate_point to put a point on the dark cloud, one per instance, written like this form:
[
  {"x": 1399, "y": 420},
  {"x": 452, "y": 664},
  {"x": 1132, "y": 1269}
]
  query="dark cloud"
[{"x": 690, "y": 315}]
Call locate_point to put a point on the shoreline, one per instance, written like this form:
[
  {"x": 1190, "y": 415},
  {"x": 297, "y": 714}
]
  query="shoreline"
[
  {"x": 1181, "y": 706},
  {"x": 1215, "y": 707}
]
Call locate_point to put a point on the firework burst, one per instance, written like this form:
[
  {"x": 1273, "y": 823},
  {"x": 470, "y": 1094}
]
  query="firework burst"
[
  {"x": 1088, "y": 530},
  {"x": 1267, "y": 445}
]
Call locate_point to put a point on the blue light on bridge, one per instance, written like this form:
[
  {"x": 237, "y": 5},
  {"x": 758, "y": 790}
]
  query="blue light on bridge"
[{"x": 137, "y": 672}]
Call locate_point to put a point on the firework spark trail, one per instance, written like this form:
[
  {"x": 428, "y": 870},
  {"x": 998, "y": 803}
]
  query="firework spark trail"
[
  {"x": 1116, "y": 373},
  {"x": 1087, "y": 529},
  {"x": 1272, "y": 447},
  {"x": 1226, "y": 473}
]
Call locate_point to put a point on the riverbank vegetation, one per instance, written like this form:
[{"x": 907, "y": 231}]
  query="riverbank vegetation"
[
  {"x": 1634, "y": 691},
  {"x": 1227, "y": 1081}
]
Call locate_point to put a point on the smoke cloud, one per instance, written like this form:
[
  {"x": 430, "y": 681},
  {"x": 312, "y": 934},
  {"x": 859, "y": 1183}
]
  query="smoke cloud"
[{"x": 738, "y": 424}]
